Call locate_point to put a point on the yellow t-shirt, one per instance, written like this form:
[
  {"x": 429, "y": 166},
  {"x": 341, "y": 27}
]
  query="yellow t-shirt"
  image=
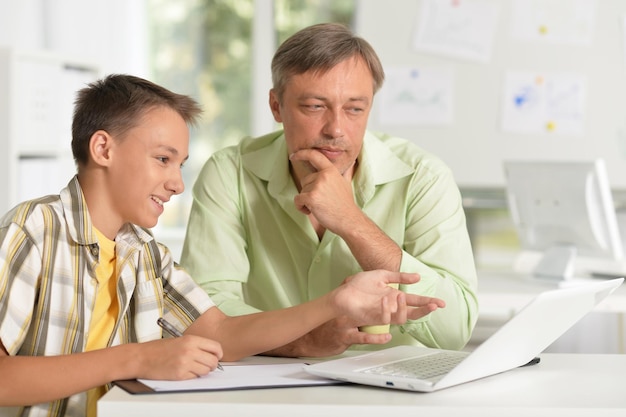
[{"x": 105, "y": 309}]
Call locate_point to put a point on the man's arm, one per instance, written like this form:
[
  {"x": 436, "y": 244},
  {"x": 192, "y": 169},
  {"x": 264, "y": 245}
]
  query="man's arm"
[
  {"x": 437, "y": 246},
  {"x": 435, "y": 242}
]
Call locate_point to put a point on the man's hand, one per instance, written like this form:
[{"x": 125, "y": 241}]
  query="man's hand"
[
  {"x": 325, "y": 193},
  {"x": 364, "y": 298},
  {"x": 332, "y": 338},
  {"x": 326, "y": 196}
]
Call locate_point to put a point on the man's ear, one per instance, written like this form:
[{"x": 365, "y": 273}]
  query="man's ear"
[
  {"x": 275, "y": 106},
  {"x": 100, "y": 145}
]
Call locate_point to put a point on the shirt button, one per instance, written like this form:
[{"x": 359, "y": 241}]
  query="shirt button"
[{"x": 94, "y": 250}]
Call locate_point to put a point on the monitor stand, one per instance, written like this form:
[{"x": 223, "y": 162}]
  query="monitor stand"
[{"x": 557, "y": 263}]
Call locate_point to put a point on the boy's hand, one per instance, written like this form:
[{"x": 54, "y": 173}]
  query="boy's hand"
[
  {"x": 179, "y": 358},
  {"x": 366, "y": 298}
]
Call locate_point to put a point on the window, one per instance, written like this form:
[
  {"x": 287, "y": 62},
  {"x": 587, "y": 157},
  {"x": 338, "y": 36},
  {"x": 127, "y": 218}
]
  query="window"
[{"x": 204, "y": 48}]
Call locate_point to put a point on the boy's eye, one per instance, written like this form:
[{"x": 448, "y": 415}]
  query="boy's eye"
[{"x": 163, "y": 159}]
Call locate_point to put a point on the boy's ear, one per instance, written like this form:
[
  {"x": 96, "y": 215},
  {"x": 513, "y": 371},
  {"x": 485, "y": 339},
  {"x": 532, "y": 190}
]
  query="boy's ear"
[{"x": 100, "y": 147}]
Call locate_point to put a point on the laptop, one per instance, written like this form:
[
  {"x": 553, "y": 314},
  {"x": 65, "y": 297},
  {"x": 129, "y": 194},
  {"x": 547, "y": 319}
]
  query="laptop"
[{"x": 516, "y": 343}]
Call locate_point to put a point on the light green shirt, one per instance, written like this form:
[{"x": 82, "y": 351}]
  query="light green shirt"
[{"x": 250, "y": 248}]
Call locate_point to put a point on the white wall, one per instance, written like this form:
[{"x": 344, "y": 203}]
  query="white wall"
[
  {"x": 21, "y": 23},
  {"x": 111, "y": 34},
  {"x": 478, "y": 90}
]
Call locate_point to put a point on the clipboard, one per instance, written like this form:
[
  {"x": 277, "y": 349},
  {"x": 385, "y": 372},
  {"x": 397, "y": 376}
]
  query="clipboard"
[{"x": 233, "y": 377}]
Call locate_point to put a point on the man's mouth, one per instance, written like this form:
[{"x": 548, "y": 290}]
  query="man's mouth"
[
  {"x": 330, "y": 153},
  {"x": 157, "y": 200}
]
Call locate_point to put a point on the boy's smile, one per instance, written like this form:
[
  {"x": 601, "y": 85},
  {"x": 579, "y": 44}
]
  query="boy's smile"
[{"x": 144, "y": 170}]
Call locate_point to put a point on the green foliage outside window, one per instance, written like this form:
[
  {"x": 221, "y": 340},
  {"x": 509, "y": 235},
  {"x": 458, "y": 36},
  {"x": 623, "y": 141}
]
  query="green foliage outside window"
[{"x": 203, "y": 48}]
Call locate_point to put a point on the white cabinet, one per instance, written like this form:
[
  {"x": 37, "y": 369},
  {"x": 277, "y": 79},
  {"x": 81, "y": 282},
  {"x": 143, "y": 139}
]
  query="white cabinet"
[{"x": 37, "y": 92}]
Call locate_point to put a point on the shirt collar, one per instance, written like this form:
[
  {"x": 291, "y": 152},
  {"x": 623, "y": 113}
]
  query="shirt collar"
[
  {"x": 79, "y": 222},
  {"x": 377, "y": 165},
  {"x": 270, "y": 161}
]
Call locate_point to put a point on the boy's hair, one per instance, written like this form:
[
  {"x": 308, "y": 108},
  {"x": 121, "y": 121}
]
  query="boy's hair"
[
  {"x": 319, "y": 48},
  {"x": 116, "y": 104}
]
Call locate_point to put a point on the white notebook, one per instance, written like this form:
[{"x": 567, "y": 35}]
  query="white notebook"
[{"x": 516, "y": 343}]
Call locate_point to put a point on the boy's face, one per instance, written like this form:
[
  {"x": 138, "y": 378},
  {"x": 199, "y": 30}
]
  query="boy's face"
[{"x": 145, "y": 169}]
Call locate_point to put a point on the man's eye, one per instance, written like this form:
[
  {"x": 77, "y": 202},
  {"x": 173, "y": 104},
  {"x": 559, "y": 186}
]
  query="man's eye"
[
  {"x": 356, "y": 109},
  {"x": 163, "y": 159}
]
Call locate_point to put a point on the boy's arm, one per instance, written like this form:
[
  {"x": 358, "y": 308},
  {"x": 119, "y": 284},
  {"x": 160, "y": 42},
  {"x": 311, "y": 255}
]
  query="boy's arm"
[
  {"x": 365, "y": 298},
  {"x": 30, "y": 380}
]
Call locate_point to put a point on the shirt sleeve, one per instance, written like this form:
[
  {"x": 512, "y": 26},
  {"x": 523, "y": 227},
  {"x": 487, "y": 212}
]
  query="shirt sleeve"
[
  {"x": 216, "y": 216},
  {"x": 19, "y": 270},
  {"x": 437, "y": 246},
  {"x": 184, "y": 300}
]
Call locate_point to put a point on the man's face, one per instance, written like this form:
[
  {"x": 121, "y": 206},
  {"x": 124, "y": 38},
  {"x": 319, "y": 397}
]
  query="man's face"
[{"x": 327, "y": 112}]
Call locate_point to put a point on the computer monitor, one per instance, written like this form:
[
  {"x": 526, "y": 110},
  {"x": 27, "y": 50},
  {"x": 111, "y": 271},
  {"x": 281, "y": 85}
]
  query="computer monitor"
[{"x": 565, "y": 211}]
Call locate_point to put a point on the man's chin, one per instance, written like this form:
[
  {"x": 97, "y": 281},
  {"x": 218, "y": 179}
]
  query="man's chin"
[{"x": 302, "y": 167}]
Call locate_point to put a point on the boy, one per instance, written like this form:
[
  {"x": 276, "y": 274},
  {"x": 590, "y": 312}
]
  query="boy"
[{"x": 82, "y": 282}]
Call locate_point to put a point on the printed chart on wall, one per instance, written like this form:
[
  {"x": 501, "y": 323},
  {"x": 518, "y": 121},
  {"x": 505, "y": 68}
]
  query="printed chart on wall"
[{"x": 477, "y": 82}]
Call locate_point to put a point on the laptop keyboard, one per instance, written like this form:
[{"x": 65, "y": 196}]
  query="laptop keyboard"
[{"x": 422, "y": 367}]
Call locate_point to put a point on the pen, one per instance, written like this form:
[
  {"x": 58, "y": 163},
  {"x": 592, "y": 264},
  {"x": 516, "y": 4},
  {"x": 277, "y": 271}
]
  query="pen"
[{"x": 165, "y": 325}]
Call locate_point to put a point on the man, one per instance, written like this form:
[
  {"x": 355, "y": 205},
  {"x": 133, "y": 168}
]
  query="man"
[{"x": 280, "y": 219}]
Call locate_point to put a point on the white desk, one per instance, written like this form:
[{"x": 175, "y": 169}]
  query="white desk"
[{"x": 561, "y": 385}]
